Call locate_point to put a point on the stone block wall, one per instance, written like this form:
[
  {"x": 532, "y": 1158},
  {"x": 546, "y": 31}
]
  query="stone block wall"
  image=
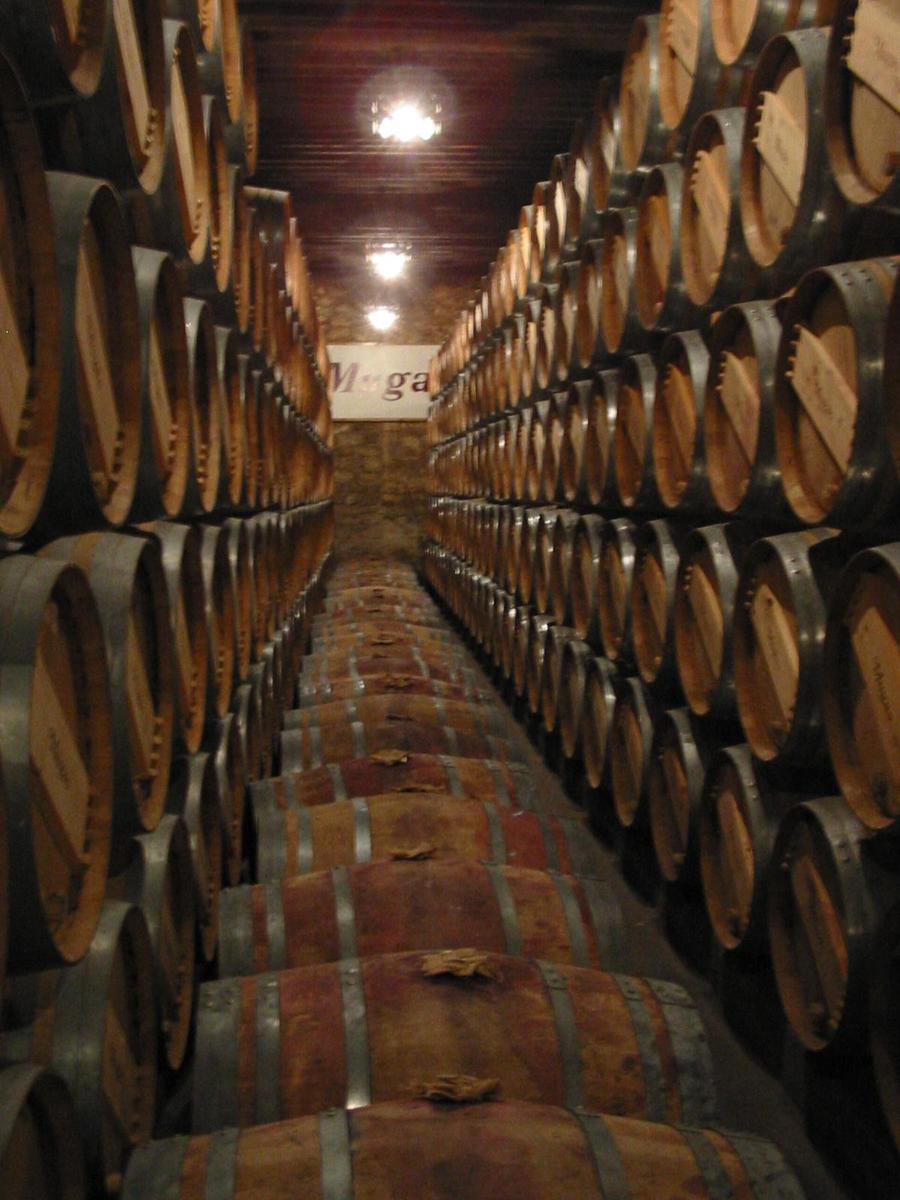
[{"x": 379, "y": 489}]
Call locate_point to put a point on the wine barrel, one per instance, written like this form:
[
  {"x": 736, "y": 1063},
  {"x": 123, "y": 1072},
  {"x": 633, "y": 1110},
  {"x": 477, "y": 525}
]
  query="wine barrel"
[
  {"x": 620, "y": 325},
  {"x": 607, "y": 183},
  {"x": 248, "y": 381},
  {"x": 248, "y": 720},
  {"x": 388, "y": 907},
  {"x": 210, "y": 278},
  {"x": 58, "y": 47},
  {"x": 588, "y": 345},
  {"x": 219, "y": 60},
  {"x": 777, "y": 642},
  {"x": 538, "y": 635},
  {"x": 663, "y": 303},
  {"x": 227, "y": 753},
  {"x": 375, "y": 633},
  {"x": 304, "y": 749},
  {"x": 740, "y": 811},
  {"x": 165, "y": 388},
  {"x": 528, "y": 553},
  {"x": 382, "y": 1017},
  {"x": 740, "y": 28},
  {"x": 218, "y": 598},
  {"x": 242, "y": 134},
  {"x": 657, "y": 549},
  {"x": 121, "y": 126},
  {"x": 237, "y": 541},
  {"x": 205, "y": 410},
  {"x": 692, "y": 80},
  {"x": 584, "y": 577},
  {"x": 564, "y": 358},
  {"x": 160, "y": 880},
  {"x": 352, "y": 613},
  {"x": 543, "y": 558},
  {"x": 40, "y": 1148},
  {"x": 534, "y": 1149},
  {"x": 614, "y": 590},
  {"x": 739, "y": 412},
  {"x": 194, "y": 796},
  {"x": 862, "y": 104},
  {"x": 95, "y": 458},
  {"x": 827, "y": 893},
  {"x": 551, "y": 678},
  {"x": 182, "y": 565},
  {"x": 126, "y": 577},
  {"x": 331, "y": 672},
  {"x": 540, "y": 204},
  {"x": 521, "y": 636},
  {"x": 633, "y": 437},
  {"x": 715, "y": 264},
  {"x": 644, "y": 139},
  {"x": 55, "y": 746},
  {"x": 705, "y": 593},
  {"x": 630, "y": 751},
  {"x": 509, "y": 783},
  {"x": 537, "y": 438},
  {"x": 677, "y": 447},
  {"x": 414, "y": 827},
  {"x": 861, "y": 685},
  {"x": 179, "y": 210},
  {"x": 792, "y": 212},
  {"x": 29, "y": 310},
  {"x": 429, "y": 710},
  {"x": 601, "y": 682},
  {"x": 680, "y": 753},
  {"x": 884, "y": 1043},
  {"x": 562, "y": 549},
  {"x": 260, "y": 679},
  {"x": 466, "y": 687},
  {"x": 830, "y": 427},
  {"x": 572, "y": 482},
  {"x": 599, "y": 464},
  {"x": 572, "y": 689},
  {"x": 95, "y": 1024}
]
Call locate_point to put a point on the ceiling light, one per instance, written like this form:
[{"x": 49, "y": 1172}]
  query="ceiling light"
[
  {"x": 389, "y": 260},
  {"x": 405, "y": 121},
  {"x": 382, "y": 318}
]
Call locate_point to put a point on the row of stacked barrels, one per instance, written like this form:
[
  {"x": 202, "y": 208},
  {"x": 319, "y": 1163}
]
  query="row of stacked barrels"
[
  {"x": 144, "y": 677},
  {"x": 422, "y": 990},
  {"x": 664, "y": 450},
  {"x": 166, "y": 521},
  {"x": 730, "y": 697},
  {"x": 162, "y": 355}
]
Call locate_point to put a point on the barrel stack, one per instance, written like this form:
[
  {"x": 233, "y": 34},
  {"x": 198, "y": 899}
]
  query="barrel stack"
[
  {"x": 707, "y": 469},
  {"x": 166, "y": 520}
]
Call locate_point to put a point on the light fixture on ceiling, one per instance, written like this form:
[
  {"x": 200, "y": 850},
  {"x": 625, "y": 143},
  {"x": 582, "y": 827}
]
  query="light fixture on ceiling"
[
  {"x": 382, "y": 318},
  {"x": 388, "y": 259},
  {"x": 405, "y": 121}
]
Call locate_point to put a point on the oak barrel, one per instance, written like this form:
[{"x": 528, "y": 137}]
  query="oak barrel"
[
  {"x": 679, "y": 457},
  {"x": 630, "y": 751},
  {"x": 205, "y": 410},
  {"x": 427, "y": 709},
  {"x": 220, "y": 619},
  {"x": 679, "y": 756},
  {"x": 635, "y": 481},
  {"x": 657, "y": 549},
  {"x": 663, "y": 303},
  {"x": 194, "y": 797},
  {"x": 572, "y": 691},
  {"x": 643, "y": 137},
  {"x": 59, "y": 46},
  {"x": 617, "y": 557},
  {"x": 601, "y": 682},
  {"x": 692, "y": 80},
  {"x": 40, "y": 1149}
]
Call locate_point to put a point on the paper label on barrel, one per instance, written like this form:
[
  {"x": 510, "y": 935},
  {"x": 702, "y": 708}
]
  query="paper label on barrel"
[
  {"x": 133, "y": 68},
  {"x": 828, "y": 400},
  {"x": 94, "y": 352},
  {"x": 14, "y": 370},
  {"x": 782, "y": 143},
  {"x": 181, "y": 123},
  {"x": 877, "y": 655},
  {"x": 683, "y": 32},
  {"x": 875, "y": 48},
  {"x": 159, "y": 398},
  {"x": 141, "y": 713},
  {"x": 56, "y": 757},
  {"x": 740, "y": 401},
  {"x": 777, "y": 646}
]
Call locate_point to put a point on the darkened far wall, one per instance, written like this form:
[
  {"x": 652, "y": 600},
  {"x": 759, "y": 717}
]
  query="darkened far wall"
[{"x": 379, "y": 486}]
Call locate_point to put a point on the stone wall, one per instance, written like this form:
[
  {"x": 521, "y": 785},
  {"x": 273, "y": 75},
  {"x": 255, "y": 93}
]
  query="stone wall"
[{"x": 379, "y": 487}]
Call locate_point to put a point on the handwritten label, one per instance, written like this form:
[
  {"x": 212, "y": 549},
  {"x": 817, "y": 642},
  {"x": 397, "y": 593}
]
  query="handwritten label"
[
  {"x": 56, "y": 757},
  {"x": 875, "y": 49},
  {"x": 781, "y": 141},
  {"x": 740, "y": 401},
  {"x": 133, "y": 69},
  {"x": 93, "y": 350},
  {"x": 14, "y": 370},
  {"x": 875, "y": 649},
  {"x": 777, "y": 646},
  {"x": 683, "y": 31},
  {"x": 184, "y": 149},
  {"x": 826, "y": 396}
]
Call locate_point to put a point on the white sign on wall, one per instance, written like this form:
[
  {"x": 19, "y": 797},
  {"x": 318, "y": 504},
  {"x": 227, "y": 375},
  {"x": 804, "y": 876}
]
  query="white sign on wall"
[{"x": 376, "y": 382}]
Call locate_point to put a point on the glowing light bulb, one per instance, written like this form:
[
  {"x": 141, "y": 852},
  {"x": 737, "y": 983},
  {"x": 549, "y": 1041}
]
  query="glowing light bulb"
[
  {"x": 405, "y": 122},
  {"x": 388, "y": 263},
  {"x": 382, "y": 318}
]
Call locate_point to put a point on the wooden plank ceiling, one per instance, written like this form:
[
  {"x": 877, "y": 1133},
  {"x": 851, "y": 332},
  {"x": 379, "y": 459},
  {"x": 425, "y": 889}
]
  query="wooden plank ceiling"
[{"x": 513, "y": 79}]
